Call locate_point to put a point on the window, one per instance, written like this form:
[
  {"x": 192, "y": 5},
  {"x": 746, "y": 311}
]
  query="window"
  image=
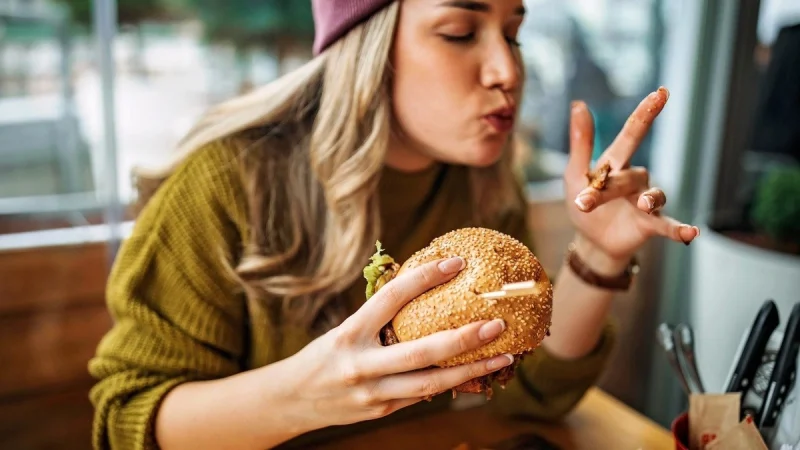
[
  {"x": 172, "y": 60},
  {"x": 48, "y": 168},
  {"x": 759, "y": 168},
  {"x": 606, "y": 53}
]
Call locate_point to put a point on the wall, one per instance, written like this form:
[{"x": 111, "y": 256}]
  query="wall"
[{"x": 52, "y": 315}]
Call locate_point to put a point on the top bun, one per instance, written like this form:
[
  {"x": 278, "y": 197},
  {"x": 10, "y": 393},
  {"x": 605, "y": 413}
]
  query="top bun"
[{"x": 492, "y": 259}]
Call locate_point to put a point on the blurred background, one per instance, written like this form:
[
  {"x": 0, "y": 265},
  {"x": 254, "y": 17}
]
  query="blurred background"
[{"x": 91, "y": 89}]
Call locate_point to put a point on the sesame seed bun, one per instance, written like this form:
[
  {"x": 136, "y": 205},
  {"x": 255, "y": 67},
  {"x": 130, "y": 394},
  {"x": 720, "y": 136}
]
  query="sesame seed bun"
[{"x": 492, "y": 259}]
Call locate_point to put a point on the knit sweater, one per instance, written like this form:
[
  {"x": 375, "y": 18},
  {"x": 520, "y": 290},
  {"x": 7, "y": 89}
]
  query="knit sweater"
[{"x": 179, "y": 316}]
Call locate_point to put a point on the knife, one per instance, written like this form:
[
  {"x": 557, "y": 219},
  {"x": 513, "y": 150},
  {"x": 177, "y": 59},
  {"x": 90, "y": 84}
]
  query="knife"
[
  {"x": 666, "y": 340},
  {"x": 752, "y": 352},
  {"x": 684, "y": 336},
  {"x": 783, "y": 373}
]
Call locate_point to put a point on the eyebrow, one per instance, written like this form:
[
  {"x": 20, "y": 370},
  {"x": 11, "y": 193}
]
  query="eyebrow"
[{"x": 474, "y": 5}]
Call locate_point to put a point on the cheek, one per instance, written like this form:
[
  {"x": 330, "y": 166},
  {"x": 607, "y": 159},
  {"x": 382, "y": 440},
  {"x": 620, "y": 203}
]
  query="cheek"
[
  {"x": 424, "y": 114},
  {"x": 426, "y": 98},
  {"x": 438, "y": 102},
  {"x": 433, "y": 85}
]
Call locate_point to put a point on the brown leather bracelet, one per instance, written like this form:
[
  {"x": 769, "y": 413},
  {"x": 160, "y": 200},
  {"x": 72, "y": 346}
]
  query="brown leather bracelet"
[{"x": 621, "y": 282}]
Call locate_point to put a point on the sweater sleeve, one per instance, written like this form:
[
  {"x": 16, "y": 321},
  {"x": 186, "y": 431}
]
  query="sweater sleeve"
[
  {"x": 177, "y": 315},
  {"x": 546, "y": 387}
]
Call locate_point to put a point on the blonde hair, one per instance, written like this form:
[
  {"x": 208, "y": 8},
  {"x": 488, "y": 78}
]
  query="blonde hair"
[{"x": 313, "y": 145}]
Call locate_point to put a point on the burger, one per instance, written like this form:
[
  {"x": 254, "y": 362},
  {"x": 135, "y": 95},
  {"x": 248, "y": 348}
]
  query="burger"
[{"x": 492, "y": 260}]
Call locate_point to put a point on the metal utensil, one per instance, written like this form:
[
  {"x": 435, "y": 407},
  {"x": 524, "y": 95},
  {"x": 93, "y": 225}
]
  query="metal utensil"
[
  {"x": 666, "y": 340},
  {"x": 783, "y": 372},
  {"x": 752, "y": 351},
  {"x": 684, "y": 336}
]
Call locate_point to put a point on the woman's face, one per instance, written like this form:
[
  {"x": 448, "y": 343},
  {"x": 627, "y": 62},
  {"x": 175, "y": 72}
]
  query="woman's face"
[{"x": 456, "y": 81}]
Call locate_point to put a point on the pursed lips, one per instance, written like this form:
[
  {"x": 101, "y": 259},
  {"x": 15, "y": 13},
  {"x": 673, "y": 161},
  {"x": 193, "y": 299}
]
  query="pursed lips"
[{"x": 501, "y": 119}]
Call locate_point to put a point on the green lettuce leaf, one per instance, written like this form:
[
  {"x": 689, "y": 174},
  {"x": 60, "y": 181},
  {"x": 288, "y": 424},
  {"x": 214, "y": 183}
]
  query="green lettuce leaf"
[{"x": 379, "y": 271}]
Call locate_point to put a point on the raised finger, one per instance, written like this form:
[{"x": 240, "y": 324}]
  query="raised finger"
[
  {"x": 581, "y": 141},
  {"x": 429, "y": 350},
  {"x": 431, "y": 382},
  {"x": 651, "y": 200},
  {"x": 671, "y": 228},
  {"x": 385, "y": 304},
  {"x": 621, "y": 150},
  {"x": 619, "y": 185}
]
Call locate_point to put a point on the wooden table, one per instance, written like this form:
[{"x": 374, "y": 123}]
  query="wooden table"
[{"x": 599, "y": 422}]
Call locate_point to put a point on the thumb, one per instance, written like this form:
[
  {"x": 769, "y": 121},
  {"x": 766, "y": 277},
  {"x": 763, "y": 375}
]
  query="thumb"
[{"x": 581, "y": 141}]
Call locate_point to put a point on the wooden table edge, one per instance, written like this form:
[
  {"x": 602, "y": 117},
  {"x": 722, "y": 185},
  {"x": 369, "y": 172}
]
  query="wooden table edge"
[{"x": 599, "y": 421}]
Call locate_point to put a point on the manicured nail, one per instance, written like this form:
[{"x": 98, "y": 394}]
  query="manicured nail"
[
  {"x": 499, "y": 362},
  {"x": 651, "y": 202},
  {"x": 492, "y": 329},
  {"x": 451, "y": 265},
  {"x": 585, "y": 202}
]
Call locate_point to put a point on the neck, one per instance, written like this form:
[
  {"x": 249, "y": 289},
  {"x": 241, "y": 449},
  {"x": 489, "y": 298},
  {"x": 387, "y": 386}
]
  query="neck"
[{"x": 405, "y": 158}]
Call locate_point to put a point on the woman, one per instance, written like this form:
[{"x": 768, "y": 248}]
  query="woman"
[{"x": 238, "y": 301}]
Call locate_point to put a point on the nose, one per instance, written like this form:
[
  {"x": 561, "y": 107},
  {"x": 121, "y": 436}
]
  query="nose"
[{"x": 502, "y": 68}]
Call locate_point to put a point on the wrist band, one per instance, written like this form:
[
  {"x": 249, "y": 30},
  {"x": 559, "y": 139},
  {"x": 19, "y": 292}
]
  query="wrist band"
[{"x": 621, "y": 282}]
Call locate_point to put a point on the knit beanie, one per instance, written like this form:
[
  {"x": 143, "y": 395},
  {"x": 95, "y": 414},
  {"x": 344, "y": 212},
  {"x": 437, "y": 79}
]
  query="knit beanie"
[{"x": 334, "y": 18}]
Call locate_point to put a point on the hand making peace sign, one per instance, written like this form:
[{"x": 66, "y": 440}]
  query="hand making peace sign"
[{"x": 619, "y": 217}]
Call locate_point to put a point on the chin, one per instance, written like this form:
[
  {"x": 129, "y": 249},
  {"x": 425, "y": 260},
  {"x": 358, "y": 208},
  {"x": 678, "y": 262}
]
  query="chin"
[
  {"x": 475, "y": 153},
  {"x": 484, "y": 154}
]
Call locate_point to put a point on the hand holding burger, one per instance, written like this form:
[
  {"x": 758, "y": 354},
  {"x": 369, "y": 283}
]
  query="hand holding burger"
[
  {"x": 444, "y": 335},
  {"x": 493, "y": 260}
]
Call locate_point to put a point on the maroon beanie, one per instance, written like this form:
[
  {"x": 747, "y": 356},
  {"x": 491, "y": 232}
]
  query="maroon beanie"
[{"x": 334, "y": 18}]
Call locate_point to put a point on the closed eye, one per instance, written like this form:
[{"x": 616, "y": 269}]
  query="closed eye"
[
  {"x": 465, "y": 38},
  {"x": 459, "y": 38}
]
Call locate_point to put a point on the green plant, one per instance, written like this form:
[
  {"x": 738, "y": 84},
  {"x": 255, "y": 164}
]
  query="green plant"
[{"x": 776, "y": 206}]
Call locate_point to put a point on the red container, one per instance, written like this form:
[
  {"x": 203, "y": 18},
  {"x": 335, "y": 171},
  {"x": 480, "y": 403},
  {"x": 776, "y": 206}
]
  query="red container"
[{"x": 680, "y": 431}]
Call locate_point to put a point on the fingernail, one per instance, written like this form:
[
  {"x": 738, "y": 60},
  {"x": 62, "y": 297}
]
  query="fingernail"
[
  {"x": 686, "y": 233},
  {"x": 451, "y": 265},
  {"x": 651, "y": 202},
  {"x": 499, "y": 362},
  {"x": 576, "y": 106},
  {"x": 585, "y": 202},
  {"x": 492, "y": 329}
]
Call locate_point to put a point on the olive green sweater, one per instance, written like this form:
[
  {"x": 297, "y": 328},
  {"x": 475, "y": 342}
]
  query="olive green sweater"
[{"x": 179, "y": 317}]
